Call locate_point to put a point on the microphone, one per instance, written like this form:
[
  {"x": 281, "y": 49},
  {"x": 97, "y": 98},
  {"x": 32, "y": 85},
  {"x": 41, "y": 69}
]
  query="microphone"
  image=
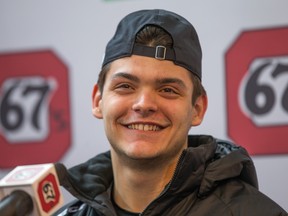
[
  {"x": 17, "y": 203},
  {"x": 38, "y": 183}
]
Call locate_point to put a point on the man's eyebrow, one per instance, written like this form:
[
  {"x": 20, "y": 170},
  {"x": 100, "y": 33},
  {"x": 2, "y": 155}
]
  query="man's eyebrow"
[
  {"x": 170, "y": 81},
  {"x": 158, "y": 81},
  {"x": 126, "y": 76}
]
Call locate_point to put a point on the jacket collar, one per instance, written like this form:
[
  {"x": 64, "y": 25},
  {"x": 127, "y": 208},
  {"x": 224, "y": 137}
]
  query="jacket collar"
[{"x": 205, "y": 163}]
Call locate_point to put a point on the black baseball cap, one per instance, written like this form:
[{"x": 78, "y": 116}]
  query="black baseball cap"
[{"x": 185, "y": 51}]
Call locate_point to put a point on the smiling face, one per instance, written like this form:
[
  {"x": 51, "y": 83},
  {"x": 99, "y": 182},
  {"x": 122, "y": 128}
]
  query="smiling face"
[{"x": 146, "y": 105}]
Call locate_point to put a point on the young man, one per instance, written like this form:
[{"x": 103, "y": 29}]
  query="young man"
[{"x": 149, "y": 94}]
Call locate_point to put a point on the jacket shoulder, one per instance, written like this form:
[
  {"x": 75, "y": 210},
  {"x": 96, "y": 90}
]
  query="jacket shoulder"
[{"x": 241, "y": 196}]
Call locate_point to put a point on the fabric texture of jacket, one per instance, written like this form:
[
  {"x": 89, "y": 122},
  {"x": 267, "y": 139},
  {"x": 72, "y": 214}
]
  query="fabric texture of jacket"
[{"x": 213, "y": 177}]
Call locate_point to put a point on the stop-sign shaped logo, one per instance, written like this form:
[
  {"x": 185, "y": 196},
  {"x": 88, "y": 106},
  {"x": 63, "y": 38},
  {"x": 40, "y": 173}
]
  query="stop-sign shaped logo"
[
  {"x": 257, "y": 91},
  {"x": 48, "y": 193},
  {"x": 34, "y": 108}
]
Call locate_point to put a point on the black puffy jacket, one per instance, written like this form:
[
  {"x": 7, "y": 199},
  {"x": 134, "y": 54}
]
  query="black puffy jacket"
[{"x": 213, "y": 177}]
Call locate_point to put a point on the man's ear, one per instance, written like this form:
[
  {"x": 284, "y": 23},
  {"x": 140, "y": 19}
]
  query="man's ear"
[
  {"x": 97, "y": 102},
  {"x": 199, "y": 110}
]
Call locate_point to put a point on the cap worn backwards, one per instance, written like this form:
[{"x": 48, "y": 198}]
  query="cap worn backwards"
[{"x": 185, "y": 51}]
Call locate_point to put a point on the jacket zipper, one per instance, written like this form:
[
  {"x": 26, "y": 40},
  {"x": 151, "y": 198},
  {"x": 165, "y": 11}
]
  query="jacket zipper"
[{"x": 179, "y": 163}]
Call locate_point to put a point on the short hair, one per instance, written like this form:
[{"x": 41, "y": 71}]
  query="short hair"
[{"x": 154, "y": 36}]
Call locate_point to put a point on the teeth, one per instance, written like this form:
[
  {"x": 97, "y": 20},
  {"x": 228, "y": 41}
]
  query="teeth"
[{"x": 144, "y": 127}]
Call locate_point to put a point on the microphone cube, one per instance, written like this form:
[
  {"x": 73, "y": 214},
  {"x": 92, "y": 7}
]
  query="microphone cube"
[{"x": 40, "y": 182}]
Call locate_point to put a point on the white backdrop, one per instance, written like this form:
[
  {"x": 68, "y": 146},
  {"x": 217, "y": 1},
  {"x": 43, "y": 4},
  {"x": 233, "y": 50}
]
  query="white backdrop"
[{"x": 78, "y": 31}]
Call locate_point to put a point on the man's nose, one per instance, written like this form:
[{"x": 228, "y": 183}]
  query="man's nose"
[{"x": 145, "y": 102}]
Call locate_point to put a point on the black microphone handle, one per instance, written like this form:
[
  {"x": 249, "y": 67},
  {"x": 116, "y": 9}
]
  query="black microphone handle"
[{"x": 18, "y": 203}]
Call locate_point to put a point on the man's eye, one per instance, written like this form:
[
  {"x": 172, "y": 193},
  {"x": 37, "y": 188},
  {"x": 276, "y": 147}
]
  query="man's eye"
[
  {"x": 125, "y": 86},
  {"x": 169, "y": 90}
]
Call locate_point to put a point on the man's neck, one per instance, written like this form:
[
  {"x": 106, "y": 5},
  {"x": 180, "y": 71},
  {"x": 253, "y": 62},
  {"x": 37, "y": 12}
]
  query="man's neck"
[{"x": 134, "y": 188}]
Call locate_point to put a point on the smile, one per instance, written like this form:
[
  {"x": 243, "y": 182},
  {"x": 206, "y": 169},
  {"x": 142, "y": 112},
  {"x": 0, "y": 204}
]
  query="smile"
[{"x": 144, "y": 127}]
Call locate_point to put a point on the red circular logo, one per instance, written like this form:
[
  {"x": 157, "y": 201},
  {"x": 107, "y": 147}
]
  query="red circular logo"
[
  {"x": 257, "y": 90},
  {"x": 34, "y": 108}
]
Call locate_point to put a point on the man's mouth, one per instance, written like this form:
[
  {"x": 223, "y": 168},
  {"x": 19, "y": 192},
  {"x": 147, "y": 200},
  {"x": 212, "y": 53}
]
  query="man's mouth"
[{"x": 144, "y": 127}]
